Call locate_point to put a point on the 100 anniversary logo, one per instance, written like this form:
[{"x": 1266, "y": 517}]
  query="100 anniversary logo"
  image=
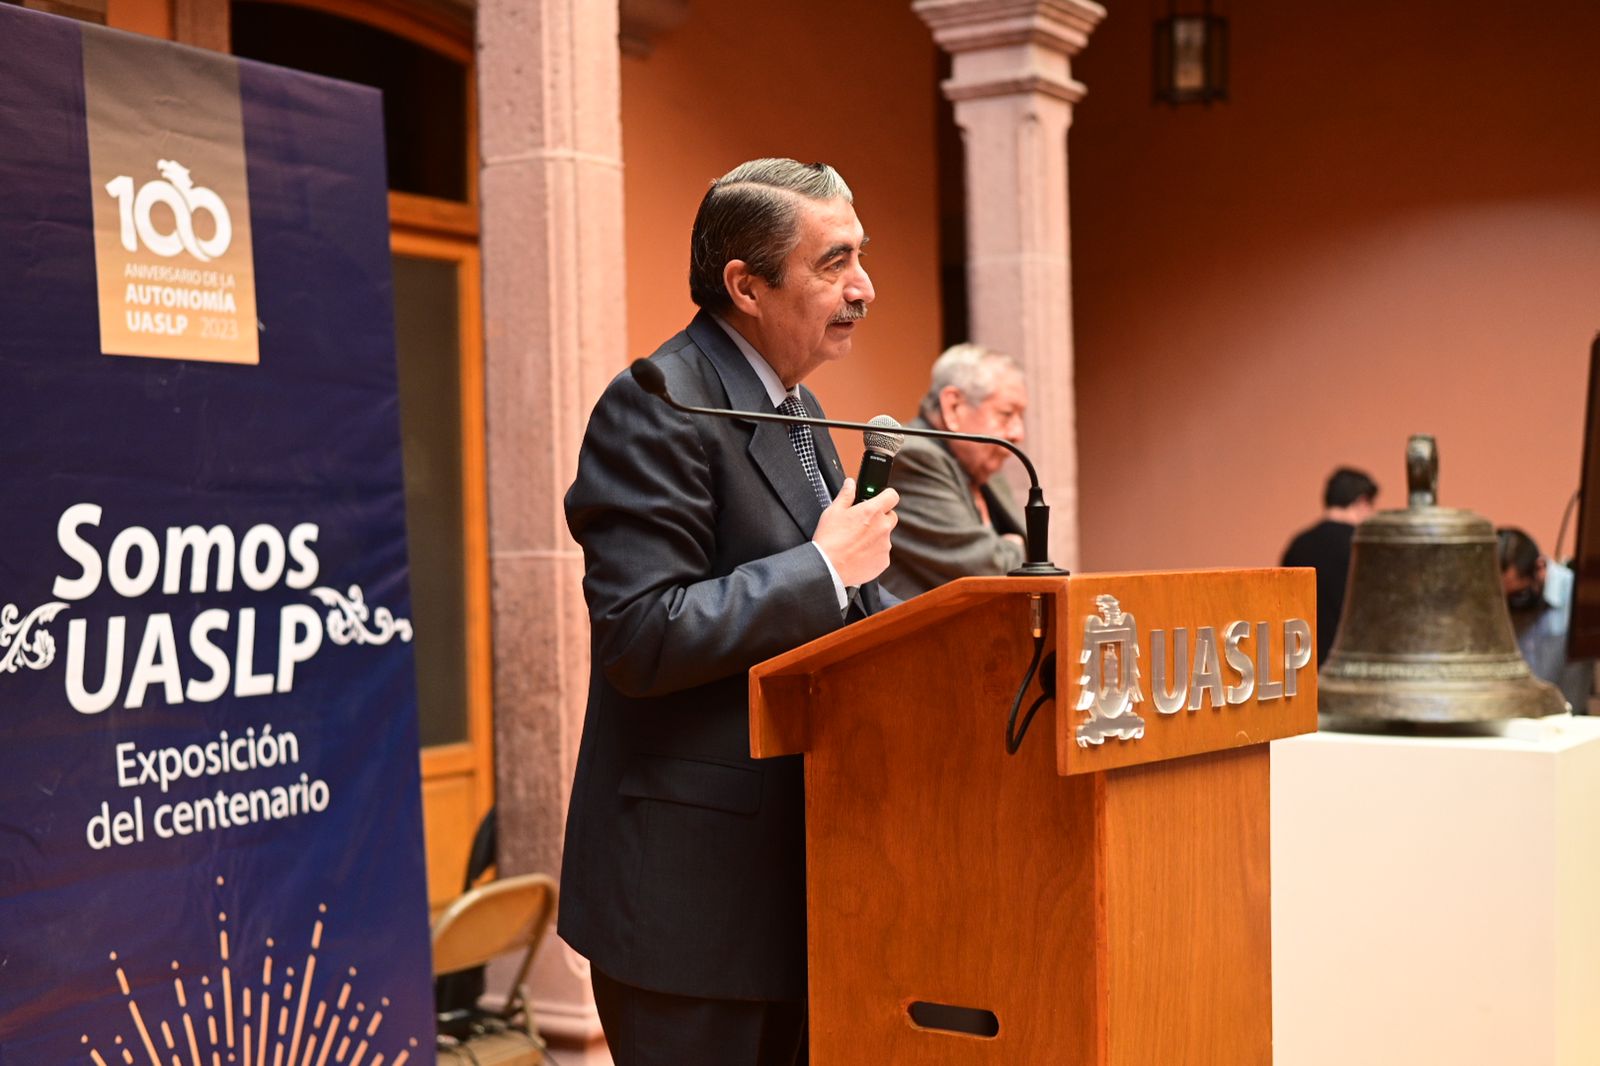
[{"x": 173, "y": 253}]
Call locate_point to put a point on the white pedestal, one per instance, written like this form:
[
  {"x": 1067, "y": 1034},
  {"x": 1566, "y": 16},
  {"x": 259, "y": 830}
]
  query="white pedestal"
[{"x": 1437, "y": 901}]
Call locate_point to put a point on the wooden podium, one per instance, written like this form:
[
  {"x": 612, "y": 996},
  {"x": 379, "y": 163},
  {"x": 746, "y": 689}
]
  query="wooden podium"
[{"x": 1079, "y": 902}]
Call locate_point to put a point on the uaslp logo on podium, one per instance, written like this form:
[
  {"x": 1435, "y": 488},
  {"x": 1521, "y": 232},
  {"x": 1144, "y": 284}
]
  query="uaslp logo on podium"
[{"x": 1109, "y": 686}]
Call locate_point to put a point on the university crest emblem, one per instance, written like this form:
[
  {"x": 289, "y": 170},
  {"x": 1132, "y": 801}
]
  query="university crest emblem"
[{"x": 1109, "y": 685}]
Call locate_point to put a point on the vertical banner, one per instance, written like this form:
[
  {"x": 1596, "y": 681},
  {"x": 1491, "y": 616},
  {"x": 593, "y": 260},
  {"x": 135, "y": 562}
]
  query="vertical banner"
[{"x": 210, "y": 819}]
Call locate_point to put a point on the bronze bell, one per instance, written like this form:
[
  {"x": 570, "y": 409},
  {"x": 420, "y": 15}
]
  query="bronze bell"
[{"x": 1426, "y": 637}]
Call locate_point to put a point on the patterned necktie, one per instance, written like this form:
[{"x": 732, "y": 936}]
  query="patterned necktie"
[{"x": 805, "y": 446}]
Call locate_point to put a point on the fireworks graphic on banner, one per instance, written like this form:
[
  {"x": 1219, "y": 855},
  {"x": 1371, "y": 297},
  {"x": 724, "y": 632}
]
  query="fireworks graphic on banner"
[{"x": 237, "y": 1020}]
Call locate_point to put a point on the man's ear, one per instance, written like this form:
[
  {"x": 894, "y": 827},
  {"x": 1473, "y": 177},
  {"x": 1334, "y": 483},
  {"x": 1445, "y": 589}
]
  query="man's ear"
[
  {"x": 949, "y": 400},
  {"x": 742, "y": 287}
]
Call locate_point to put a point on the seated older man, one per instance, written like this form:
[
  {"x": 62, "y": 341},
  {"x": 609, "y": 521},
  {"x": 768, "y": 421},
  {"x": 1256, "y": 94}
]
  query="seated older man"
[{"x": 957, "y": 514}]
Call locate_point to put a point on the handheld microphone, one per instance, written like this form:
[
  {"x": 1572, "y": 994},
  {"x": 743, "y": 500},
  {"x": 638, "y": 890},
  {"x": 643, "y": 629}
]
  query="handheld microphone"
[
  {"x": 649, "y": 377},
  {"x": 882, "y": 445}
]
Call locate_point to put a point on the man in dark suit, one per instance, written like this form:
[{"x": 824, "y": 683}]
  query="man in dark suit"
[
  {"x": 1348, "y": 500},
  {"x": 711, "y": 544}
]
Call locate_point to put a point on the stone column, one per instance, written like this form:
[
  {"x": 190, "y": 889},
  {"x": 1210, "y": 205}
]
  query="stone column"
[
  {"x": 1011, "y": 83},
  {"x": 551, "y": 188}
]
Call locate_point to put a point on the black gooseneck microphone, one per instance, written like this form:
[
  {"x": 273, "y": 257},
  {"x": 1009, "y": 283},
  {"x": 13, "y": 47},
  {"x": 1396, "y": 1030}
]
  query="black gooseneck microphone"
[{"x": 650, "y": 378}]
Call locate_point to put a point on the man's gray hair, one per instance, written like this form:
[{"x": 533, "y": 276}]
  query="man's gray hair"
[
  {"x": 972, "y": 368},
  {"x": 752, "y": 213}
]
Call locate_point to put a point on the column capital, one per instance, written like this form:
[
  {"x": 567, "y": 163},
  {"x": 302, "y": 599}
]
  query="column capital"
[
  {"x": 1062, "y": 26},
  {"x": 1064, "y": 89}
]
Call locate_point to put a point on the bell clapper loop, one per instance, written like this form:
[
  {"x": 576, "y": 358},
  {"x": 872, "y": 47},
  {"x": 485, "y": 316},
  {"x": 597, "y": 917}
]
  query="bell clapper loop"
[{"x": 1422, "y": 470}]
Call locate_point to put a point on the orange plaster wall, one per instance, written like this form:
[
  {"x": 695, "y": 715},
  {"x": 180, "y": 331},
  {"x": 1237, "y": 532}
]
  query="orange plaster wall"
[
  {"x": 850, "y": 83},
  {"x": 150, "y": 17},
  {"x": 1393, "y": 227}
]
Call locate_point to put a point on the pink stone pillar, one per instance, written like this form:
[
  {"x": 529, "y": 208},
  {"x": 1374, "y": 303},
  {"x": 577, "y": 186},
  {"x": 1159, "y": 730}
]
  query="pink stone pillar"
[
  {"x": 554, "y": 333},
  {"x": 1011, "y": 83}
]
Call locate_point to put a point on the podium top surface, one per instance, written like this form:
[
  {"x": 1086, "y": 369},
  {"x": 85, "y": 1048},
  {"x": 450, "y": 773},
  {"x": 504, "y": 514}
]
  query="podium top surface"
[
  {"x": 885, "y": 628},
  {"x": 1148, "y": 666}
]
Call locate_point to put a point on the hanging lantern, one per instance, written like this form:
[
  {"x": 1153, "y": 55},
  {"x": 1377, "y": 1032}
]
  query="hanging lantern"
[{"x": 1191, "y": 57}]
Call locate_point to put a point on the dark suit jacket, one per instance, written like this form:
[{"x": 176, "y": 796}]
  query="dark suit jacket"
[
  {"x": 1326, "y": 546},
  {"x": 684, "y": 868}
]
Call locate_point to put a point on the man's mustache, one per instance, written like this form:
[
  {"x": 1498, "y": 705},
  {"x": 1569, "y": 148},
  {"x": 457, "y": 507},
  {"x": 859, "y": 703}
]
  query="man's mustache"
[{"x": 854, "y": 311}]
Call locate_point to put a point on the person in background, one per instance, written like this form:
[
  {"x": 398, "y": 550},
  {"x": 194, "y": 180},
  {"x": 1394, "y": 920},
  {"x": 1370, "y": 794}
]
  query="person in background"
[
  {"x": 957, "y": 514},
  {"x": 1348, "y": 500},
  {"x": 1539, "y": 597}
]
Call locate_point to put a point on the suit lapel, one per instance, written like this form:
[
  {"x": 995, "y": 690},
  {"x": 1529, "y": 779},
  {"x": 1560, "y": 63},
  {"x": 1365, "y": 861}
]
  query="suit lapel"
[
  {"x": 770, "y": 448},
  {"x": 827, "y": 455},
  {"x": 863, "y": 601},
  {"x": 773, "y": 452}
]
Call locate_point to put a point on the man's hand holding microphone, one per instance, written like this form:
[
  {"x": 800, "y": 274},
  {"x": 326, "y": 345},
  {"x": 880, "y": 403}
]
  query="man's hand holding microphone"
[{"x": 855, "y": 537}]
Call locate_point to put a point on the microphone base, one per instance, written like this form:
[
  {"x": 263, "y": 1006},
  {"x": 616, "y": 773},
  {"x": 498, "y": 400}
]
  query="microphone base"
[{"x": 1044, "y": 569}]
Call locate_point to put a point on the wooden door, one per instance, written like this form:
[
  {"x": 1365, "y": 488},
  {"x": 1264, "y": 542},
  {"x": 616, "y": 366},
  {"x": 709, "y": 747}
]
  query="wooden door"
[
  {"x": 440, "y": 348},
  {"x": 421, "y": 57}
]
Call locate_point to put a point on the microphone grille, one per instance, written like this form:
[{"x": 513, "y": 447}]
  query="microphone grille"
[{"x": 884, "y": 439}]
